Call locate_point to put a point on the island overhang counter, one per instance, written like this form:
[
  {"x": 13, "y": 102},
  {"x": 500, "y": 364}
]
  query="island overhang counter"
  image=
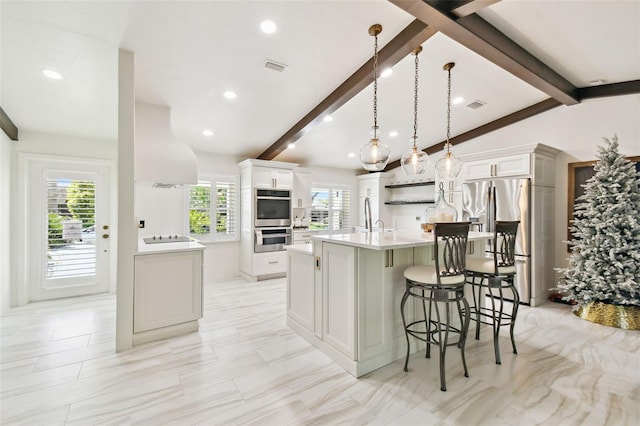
[{"x": 343, "y": 295}]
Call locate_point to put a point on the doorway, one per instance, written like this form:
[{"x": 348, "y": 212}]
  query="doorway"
[{"x": 67, "y": 228}]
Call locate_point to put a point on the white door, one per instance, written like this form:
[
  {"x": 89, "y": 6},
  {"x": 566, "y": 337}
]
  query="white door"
[{"x": 68, "y": 229}]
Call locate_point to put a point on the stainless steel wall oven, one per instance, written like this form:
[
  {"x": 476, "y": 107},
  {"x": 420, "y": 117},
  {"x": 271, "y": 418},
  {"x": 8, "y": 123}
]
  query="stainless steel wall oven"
[
  {"x": 273, "y": 207},
  {"x": 271, "y": 239}
]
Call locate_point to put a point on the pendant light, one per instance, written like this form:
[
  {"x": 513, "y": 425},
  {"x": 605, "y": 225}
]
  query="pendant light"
[
  {"x": 374, "y": 156},
  {"x": 414, "y": 162},
  {"x": 449, "y": 166}
]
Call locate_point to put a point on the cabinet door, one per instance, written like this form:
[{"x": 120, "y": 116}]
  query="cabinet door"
[
  {"x": 302, "y": 191},
  {"x": 514, "y": 165},
  {"x": 381, "y": 285},
  {"x": 167, "y": 289},
  {"x": 263, "y": 177},
  {"x": 300, "y": 289},
  {"x": 338, "y": 295},
  {"x": 479, "y": 169},
  {"x": 283, "y": 178},
  {"x": 269, "y": 263}
]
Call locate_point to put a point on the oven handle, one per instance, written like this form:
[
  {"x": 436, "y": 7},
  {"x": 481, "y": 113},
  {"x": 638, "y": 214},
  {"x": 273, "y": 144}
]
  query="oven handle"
[{"x": 272, "y": 198}]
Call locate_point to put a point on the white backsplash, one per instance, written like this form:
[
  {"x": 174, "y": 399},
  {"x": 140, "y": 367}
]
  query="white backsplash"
[{"x": 163, "y": 210}]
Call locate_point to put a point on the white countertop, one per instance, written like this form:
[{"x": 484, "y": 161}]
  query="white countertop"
[
  {"x": 144, "y": 248},
  {"x": 306, "y": 248},
  {"x": 390, "y": 239}
]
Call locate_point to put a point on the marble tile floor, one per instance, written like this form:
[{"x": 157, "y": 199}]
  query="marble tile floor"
[{"x": 245, "y": 366}]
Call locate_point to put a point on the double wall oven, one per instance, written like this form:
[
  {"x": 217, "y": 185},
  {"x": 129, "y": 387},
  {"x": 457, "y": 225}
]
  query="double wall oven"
[{"x": 272, "y": 220}]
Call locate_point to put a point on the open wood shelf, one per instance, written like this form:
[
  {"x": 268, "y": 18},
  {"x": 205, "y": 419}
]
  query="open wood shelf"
[{"x": 409, "y": 185}]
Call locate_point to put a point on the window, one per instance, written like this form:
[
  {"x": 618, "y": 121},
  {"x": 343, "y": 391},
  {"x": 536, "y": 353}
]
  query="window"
[
  {"x": 213, "y": 209},
  {"x": 330, "y": 209}
]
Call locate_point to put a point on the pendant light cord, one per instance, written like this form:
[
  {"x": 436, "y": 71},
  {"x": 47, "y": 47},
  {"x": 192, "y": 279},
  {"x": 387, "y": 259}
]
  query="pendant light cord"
[
  {"x": 375, "y": 87},
  {"x": 415, "y": 104},
  {"x": 448, "y": 109}
]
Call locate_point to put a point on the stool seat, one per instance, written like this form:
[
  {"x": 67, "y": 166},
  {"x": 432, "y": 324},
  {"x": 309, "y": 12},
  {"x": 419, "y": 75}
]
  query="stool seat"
[
  {"x": 426, "y": 274},
  {"x": 485, "y": 265}
]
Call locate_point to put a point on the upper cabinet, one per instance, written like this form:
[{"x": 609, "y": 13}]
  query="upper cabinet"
[
  {"x": 513, "y": 165},
  {"x": 266, "y": 174},
  {"x": 264, "y": 177},
  {"x": 534, "y": 161},
  {"x": 301, "y": 189}
]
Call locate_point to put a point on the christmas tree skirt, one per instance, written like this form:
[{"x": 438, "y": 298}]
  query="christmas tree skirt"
[{"x": 620, "y": 316}]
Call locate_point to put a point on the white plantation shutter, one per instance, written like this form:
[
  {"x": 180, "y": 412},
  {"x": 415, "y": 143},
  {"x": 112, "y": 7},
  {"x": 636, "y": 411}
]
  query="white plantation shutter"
[
  {"x": 71, "y": 250},
  {"x": 213, "y": 209},
  {"x": 330, "y": 209}
]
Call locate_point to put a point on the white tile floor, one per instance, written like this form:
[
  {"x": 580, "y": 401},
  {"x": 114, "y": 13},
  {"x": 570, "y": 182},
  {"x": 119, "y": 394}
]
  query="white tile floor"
[{"x": 245, "y": 366}]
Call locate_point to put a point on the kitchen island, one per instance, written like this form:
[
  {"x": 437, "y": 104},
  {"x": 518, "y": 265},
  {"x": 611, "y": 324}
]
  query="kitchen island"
[
  {"x": 167, "y": 290},
  {"x": 344, "y": 292}
]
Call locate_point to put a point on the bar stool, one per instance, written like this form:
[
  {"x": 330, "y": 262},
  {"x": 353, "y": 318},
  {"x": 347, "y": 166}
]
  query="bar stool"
[
  {"x": 440, "y": 284},
  {"x": 496, "y": 274}
]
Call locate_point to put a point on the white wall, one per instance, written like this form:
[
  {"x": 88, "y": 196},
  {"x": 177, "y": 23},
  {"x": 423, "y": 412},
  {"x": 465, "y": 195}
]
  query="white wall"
[{"x": 5, "y": 221}]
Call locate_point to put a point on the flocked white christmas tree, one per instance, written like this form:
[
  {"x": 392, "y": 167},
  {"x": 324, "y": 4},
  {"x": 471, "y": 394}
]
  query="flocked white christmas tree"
[{"x": 605, "y": 250}]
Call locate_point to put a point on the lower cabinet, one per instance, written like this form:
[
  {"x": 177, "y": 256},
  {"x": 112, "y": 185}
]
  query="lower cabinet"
[
  {"x": 338, "y": 297},
  {"x": 381, "y": 285},
  {"x": 167, "y": 289},
  {"x": 300, "y": 289},
  {"x": 269, "y": 263}
]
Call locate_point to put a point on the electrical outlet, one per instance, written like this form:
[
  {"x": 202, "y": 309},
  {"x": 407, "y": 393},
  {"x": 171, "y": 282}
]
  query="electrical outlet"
[
  {"x": 418, "y": 218},
  {"x": 141, "y": 224}
]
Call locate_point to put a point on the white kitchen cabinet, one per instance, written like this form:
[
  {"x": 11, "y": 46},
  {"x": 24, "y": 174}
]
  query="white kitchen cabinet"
[
  {"x": 300, "y": 288},
  {"x": 381, "y": 284},
  {"x": 301, "y": 189},
  {"x": 167, "y": 289},
  {"x": 373, "y": 186},
  {"x": 512, "y": 165},
  {"x": 338, "y": 297},
  {"x": 264, "y": 177},
  {"x": 269, "y": 263},
  {"x": 302, "y": 235}
]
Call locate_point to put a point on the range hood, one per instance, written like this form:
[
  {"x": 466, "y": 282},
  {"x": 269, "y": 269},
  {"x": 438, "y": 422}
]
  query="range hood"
[{"x": 160, "y": 158}]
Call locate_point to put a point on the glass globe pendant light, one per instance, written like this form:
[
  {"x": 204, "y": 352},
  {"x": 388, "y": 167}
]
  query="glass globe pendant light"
[
  {"x": 374, "y": 156},
  {"x": 414, "y": 162},
  {"x": 449, "y": 166}
]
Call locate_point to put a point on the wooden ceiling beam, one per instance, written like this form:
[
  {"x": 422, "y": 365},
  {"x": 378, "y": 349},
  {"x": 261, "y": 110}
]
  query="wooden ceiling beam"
[
  {"x": 613, "y": 89},
  {"x": 400, "y": 46},
  {"x": 507, "y": 120},
  {"x": 7, "y": 125},
  {"x": 481, "y": 37}
]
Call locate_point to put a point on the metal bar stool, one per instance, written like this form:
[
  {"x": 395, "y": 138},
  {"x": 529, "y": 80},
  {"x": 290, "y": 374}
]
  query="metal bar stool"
[
  {"x": 442, "y": 283},
  {"x": 496, "y": 274}
]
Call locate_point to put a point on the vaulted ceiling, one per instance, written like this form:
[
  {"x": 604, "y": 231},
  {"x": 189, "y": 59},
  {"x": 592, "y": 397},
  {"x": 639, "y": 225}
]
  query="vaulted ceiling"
[{"x": 516, "y": 58}]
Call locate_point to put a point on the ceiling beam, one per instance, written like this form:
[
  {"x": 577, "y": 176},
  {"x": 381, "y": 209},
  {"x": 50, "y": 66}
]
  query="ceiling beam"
[
  {"x": 481, "y": 37},
  {"x": 507, "y": 120},
  {"x": 7, "y": 125},
  {"x": 408, "y": 39},
  {"x": 462, "y": 8},
  {"x": 613, "y": 89}
]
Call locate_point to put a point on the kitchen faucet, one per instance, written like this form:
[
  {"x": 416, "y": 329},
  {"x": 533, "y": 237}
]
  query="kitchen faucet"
[{"x": 367, "y": 215}]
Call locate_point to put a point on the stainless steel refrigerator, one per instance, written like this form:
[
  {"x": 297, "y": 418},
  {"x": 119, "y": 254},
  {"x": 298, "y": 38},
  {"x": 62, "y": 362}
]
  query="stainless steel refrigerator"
[{"x": 503, "y": 199}]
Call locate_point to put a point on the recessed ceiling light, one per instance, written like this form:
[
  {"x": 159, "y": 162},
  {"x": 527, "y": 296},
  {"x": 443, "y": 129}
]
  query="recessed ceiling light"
[
  {"x": 393, "y": 134},
  {"x": 207, "y": 132},
  {"x": 230, "y": 95},
  {"x": 327, "y": 118},
  {"x": 53, "y": 75},
  {"x": 386, "y": 72},
  {"x": 291, "y": 145},
  {"x": 596, "y": 82},
  {"x": 268, "y": 27},
  {"x": 351, "y": 155},
  {"x": 457, "y": 100}
]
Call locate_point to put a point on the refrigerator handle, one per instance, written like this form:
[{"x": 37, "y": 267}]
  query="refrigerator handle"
[{"x": 491, "y": 209}]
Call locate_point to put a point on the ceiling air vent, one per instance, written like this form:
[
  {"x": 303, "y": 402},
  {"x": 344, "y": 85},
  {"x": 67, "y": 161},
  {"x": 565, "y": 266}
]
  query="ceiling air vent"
[
  {"x": 476, "y": 104},
  {"x": 273, "y": 65}
]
